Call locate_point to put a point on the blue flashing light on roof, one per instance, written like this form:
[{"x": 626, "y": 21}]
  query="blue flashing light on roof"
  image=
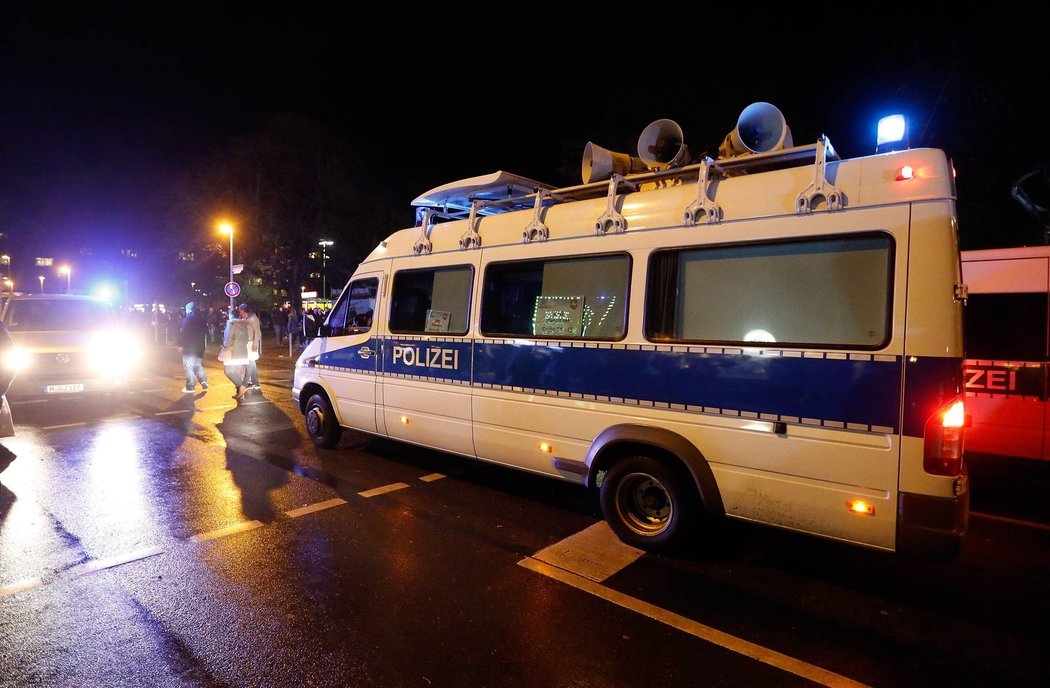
[
  {"x": 105, "y": 291},
  {"x": 891, "y": 134}
]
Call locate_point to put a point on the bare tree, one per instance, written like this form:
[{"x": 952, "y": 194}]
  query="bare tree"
[{"x": 283, "y": 187}]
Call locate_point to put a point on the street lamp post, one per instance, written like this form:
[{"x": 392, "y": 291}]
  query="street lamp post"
[
  {"x": 227, "y": 228},
  {"x": 41, "y": 278},
  {"x": 68, "y": 272},
  {"x": 324, "y": 244}
]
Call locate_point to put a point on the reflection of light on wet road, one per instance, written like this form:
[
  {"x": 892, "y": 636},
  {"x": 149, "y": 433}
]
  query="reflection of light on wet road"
[{"x": 115, "y": 474}]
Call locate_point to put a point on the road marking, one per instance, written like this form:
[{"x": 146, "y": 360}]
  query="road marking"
[
  {"x": 126, "y": 416},
  {"x": 22, "y": 402},
  {"x": 151, "y": 391},
  {"x": 765, "y": 655},
  {"x": 432, "y": 477},
  {"x": 228, "y": 530},
  {"x": 383, "y": 490},
  {"x": 168, "y": 413},
  {"x": 66, "y": 425},
  {"x": 311, "y": 508},
  {"x": 216, "y": 408},
  {"x": 1013, "y": 521},
  {"x": 595, "y": 553},
  {"x": 20, "y": 586},
  {"x": 99, "y": 564}
]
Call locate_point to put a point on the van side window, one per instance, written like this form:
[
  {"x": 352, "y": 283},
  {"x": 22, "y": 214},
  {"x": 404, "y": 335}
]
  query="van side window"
[
  {"x": 431, "y": 301},
  {"x": 352, "y": 314},
  {"x": 832, "y": 292},
  {"x": 581, "y": 298},
  {"x": 1009, "y": 327}
]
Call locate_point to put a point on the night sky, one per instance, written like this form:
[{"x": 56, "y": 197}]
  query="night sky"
[{"x": 102, "y": 107}]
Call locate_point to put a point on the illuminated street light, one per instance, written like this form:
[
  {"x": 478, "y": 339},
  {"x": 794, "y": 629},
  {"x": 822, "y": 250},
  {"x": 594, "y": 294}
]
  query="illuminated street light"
[
  {"x": 9, "y": 285},
  {"x": 68, "y": 272},
  {"x": 324, "y": 244},
  {"x": 41, "y": 278},
  {"x": 227, "y": 228}
]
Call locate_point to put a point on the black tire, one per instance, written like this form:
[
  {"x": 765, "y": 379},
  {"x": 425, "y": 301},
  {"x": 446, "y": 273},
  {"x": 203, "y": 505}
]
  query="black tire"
[
  {"x": 321, "y": 424},
  {"x": 648, "y": 504}
]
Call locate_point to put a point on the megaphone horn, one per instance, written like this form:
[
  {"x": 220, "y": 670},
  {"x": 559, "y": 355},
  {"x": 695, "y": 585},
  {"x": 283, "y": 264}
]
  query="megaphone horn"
[
  {"x": 760, "y": 128},
  {"x": 661, "y": 145},
  {"x": 601, "y": 163}
]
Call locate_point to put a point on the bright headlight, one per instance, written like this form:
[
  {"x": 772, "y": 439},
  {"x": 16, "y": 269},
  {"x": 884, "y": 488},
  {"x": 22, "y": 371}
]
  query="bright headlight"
[{"x": 16, "y": 359}]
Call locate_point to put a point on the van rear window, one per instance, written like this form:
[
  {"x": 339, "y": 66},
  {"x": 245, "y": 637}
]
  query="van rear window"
[{"x": 833, "y": 292}]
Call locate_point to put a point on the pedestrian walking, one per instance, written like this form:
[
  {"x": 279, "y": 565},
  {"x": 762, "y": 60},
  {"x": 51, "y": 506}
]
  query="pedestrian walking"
[
  {"x": 234, "y": 352},
  {"x": 251, "y": 373},
  {"x": 295, "y": 332},
  {"x": 280, "y": 322},
  {"x": 192, "y": 340},
  {"x": 214, "y": 319}
]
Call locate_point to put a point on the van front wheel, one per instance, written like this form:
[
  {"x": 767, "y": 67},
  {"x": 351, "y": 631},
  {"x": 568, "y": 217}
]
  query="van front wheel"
[
  {"x": 321, "y": 423},
  {"x": 647, "y": 504}
]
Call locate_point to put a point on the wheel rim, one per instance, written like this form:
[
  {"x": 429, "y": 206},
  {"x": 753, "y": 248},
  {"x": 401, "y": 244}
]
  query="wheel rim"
[
  {"x": 644, "y": 504},
  {"x": 315, "y": 421}
]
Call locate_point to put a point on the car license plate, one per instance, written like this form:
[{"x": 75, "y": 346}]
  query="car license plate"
[{"x": 63, "y": 389}]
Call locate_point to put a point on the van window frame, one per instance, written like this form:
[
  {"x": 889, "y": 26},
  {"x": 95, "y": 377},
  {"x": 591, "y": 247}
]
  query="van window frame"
[
  {"x": 887, "y": 325},
  {"x": 551, "y": 259},
  {"x": 434, "y": 269}
]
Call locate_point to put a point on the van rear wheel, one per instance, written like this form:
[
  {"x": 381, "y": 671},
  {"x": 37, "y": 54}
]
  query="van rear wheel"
[
  {"x": 321, "y": 423},
  {"x": 648, "y": 504}
]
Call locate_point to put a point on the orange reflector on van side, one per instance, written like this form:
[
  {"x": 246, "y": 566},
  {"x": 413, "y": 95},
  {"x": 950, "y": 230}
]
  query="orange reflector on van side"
[{"x": 859, "y": 506}]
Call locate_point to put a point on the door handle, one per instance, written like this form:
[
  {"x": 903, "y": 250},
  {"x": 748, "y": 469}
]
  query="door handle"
[{"x": 365, "y": 352}]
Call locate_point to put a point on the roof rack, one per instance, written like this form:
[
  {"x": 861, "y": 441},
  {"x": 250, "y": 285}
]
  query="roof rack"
[
  {"x": 502, "y": 192},
  {"x": 495, "y": 193}
]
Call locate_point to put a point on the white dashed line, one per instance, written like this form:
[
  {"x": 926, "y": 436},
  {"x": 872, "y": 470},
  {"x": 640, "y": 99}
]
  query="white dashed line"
[
  {"x": 20, "y": 586},
  {"x": 311, "y": 508},
  {"x": 66, "y": 425},
  {"x": 383, "y": 490},
  {"x": 228, "y": 530},
  {"x": 99, "y": 564},
  {"x": 432, "y": 477},
  {"x": 168, "y": 413}
]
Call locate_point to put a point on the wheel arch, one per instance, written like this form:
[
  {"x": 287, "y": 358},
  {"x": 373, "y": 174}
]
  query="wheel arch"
[
  {"x": 311, "y": 388},
  {"x": 669, "y": 447}
]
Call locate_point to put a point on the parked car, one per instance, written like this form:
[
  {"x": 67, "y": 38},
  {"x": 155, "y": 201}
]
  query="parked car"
[{"x": 67, "y": 344}]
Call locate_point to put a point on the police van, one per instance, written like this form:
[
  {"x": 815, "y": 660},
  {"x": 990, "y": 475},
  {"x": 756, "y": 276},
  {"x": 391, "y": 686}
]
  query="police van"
[
  {"x": 773, "y": 336},
  {"x": 1007, "y": 351}
]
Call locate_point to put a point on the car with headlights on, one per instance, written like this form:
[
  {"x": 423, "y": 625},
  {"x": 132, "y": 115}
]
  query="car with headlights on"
[{"x": 67, "y": 345}]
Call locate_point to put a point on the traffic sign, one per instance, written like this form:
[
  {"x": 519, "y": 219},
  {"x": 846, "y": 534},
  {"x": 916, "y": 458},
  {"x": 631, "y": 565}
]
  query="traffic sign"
[{"x": 232, "y": 289}]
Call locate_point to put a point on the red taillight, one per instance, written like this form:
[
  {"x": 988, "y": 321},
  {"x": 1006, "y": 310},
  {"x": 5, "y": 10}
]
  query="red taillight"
[{"x": 944, "y": 440}]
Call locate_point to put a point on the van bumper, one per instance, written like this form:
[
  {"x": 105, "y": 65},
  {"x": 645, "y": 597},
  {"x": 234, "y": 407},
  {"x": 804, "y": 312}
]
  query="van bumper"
[{"x": 932, "y": 527}]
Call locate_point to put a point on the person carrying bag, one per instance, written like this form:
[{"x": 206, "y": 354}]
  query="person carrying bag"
[{"x": 234, "y": 352}]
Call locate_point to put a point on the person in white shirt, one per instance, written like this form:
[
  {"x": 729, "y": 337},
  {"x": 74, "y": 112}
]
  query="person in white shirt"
[{"x": 251, "y": 373}]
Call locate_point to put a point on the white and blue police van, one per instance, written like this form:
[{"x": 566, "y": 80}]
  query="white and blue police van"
[{"x": 775, "y": 336}]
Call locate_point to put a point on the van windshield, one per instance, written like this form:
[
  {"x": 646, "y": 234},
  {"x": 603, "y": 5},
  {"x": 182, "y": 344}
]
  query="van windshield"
[{"x": 55, "y": 315}]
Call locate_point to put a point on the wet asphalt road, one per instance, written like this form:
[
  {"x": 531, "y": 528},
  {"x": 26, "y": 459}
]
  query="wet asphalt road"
[{"x": 187, "y": 540}]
